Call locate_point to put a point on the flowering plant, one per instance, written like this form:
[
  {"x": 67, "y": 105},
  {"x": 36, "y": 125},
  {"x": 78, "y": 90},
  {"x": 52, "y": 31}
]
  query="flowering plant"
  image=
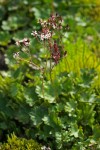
[{"x": 50, "y": 35}]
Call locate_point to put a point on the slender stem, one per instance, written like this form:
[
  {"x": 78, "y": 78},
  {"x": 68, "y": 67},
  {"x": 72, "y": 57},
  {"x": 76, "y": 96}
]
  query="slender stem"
[
  {"x": 52, "y": 6},
  {"x": 42, "y": 79},
  {"x": 30, "y": 63},
  {"x": 50, "y": 71},
  {"x": 30, "y": 54}
]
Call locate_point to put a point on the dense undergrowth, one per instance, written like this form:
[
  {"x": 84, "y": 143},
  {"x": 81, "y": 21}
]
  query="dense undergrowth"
[
  {"x": 58, "y": 107},
  {"x": 15, "y": 143}
]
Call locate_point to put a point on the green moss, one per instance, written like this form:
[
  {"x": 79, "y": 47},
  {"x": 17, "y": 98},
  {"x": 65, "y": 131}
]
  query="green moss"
[{"x": 15, "y": 143}]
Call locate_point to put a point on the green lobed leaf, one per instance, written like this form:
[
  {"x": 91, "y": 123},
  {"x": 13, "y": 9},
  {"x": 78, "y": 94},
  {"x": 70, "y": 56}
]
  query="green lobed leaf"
[{"x": 4, "y": 38}]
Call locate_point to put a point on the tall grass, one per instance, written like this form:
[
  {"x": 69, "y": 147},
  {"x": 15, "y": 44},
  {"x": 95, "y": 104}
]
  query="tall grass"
[{"x": 79, "y": 56}]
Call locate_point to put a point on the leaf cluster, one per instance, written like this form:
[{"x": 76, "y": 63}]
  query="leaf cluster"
[
  {"x": 16, "y": 143},
  {"x": 63, "y": 113}
]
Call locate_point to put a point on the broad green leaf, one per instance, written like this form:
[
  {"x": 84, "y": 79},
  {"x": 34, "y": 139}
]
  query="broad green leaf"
[
  {"x": 30, "y": 96},
  {"x": 74, "y": 130},
  {"x": 49, "y": 91},
  {"x": 22, "y": 114},
  {"x": 4, "y": 38},
  {"x": 2, "y": 12},
  {"x": 14, "y": 22},
  {"x": 3, "y": 126},
  {"x": 96, "y": 132},
  {"x": 46, "y": 120},
  {"x": 37, "y": 114},
  {"x": 70, "y": 106}
]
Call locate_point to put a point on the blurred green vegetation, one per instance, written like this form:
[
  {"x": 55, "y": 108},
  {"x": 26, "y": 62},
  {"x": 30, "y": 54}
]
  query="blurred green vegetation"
[
  {"x": 14, "y": 142},
  {"x": 64, "y": 114}
]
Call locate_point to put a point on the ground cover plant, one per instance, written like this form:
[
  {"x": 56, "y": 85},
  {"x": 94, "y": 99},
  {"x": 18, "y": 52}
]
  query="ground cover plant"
[
  {"x": 14, "y": 142},
  {"x": 50, "y": 88}
]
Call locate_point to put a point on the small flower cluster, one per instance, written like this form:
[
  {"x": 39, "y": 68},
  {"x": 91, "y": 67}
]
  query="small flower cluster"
[
  {"x": 23, "y": 42},
  {"x": 45, "y": 34},
  {"x": 45, "y": 148},
  {"x": 53, "y": 23},
  {"x": 20, "y": 43},
  {"x": 49, "y": 28},
  {"x": 16, "y": 55}
]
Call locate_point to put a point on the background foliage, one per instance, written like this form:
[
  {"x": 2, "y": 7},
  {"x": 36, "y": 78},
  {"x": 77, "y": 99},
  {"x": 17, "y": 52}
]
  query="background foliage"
[{"x": 65, "y": 112}]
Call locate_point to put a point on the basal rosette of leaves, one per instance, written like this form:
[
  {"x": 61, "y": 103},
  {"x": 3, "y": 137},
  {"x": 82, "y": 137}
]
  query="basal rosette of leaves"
[
  {"x": 69, "y": 118},
  {"x": 63, "y": 114}
]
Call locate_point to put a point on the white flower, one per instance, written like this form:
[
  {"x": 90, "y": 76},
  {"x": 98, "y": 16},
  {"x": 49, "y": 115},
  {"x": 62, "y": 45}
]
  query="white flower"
[
  {"x": 17, "y": 43},
  {"x": 25, "y": 41},
  {"x": 16, "y": 55},
  {"x": 34, "y": 33},
  {"x": 42, "y": 36},
  {"x": 54, "y": 26}
]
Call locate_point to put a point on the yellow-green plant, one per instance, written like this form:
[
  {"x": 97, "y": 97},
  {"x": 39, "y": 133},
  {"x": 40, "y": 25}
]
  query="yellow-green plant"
[{"x": 15, "y": 143}]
